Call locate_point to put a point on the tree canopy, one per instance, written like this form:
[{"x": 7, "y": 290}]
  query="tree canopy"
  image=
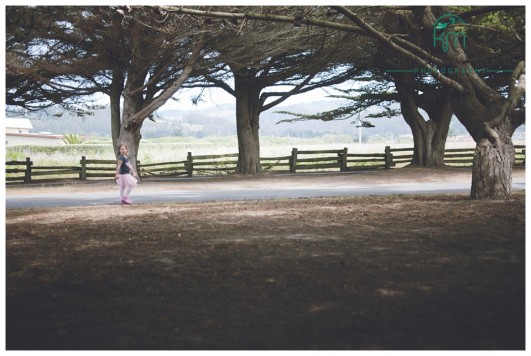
[{"x": 141, "y": 56}]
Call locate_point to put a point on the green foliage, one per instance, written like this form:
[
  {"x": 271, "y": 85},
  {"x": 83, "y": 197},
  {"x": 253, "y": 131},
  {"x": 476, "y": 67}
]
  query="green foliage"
[
  {"x": 493, "y": 34},
  {"x": 15, "y": 156},
  {"x": 102, "y": 151},
  {"x": 73, "y": 139},
  {"x": 373, "y": 94}
]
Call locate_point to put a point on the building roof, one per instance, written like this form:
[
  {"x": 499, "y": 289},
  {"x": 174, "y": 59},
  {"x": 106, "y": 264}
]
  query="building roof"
[
  {"x": 18, "y": 123},
  {"x": 40, "y": 134}
]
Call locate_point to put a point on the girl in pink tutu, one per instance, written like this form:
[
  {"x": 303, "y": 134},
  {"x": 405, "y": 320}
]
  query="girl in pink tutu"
[{"x": 125, "y": 175}]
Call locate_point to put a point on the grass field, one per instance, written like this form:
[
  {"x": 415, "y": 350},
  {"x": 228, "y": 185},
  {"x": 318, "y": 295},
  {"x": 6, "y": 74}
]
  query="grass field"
[{"x": 176, "y": 149}]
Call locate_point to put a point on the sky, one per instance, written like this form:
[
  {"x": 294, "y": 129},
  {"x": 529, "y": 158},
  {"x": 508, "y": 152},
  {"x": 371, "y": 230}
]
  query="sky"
[{"x": 213, "y": 97}]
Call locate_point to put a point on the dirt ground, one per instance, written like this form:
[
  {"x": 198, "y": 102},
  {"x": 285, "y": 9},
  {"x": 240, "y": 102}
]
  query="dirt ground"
[
  {"x": 362, "y": 178},
  {"x": 399, "y": 272}
]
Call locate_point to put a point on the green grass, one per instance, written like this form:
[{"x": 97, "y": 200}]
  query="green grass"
[
  {"x": 172, "y": 149},
  {"x": 176, "y": 149}
]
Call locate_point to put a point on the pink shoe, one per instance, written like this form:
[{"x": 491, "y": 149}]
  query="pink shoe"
[{"x": 127, "y": 201}]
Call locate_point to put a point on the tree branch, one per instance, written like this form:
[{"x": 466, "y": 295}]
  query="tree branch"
[
  {"x": 483, "y": 10},
  {"x": 294, "y": 91},
  {"x": 388, "y": 42},
  {"x": 218, "y": 83},
  {"x": 516, "y": 90},
  {"x": 304, "y": 88},
  {"x": 265, "y": 17},
  {"x": 170, "y": 91},
  {"x": 416, "y": 49},
  {"x": 517, "y": 118},
  {"x": 362, "y": 28}
]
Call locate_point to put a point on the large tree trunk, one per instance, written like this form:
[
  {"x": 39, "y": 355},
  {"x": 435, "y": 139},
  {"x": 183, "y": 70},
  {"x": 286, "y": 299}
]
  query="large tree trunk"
[
  {"x": 440, "y": 113},
  {"x": 487, "y": 117},
  {"x": 440, "y": 134},
  {"x": 115, "y": 94},
  {"x": 422, "y": 133},
  {"x": 494, "y": 156},
  {"x": 135, "y": 106},
  {"x": 248, "y": 149},
  {"x": 493, "y": 167},
  {"x": 131, "y": 137},
  {"x": 130, "y": 130},
  {"x": 115, "y": 120},
  {"x": 429, "y": 136},
  {"x": 248, "y": 108}
]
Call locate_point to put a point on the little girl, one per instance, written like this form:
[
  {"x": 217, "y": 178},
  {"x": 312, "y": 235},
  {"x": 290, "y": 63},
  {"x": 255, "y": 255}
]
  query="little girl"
[{"x": 123, "y": 176}]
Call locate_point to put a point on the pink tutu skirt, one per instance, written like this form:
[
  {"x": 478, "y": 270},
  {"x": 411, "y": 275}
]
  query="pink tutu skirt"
[{"x": 126, "y": 180}]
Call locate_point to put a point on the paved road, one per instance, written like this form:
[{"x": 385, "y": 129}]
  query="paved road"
[{"x": 207, "y": 193}]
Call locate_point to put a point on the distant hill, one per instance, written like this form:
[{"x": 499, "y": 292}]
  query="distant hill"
[
  {"x": 220, "y": 121},
  {"x": 97, "y": 125}
]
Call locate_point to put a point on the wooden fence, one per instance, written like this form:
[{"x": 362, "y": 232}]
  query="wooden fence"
[{"x": 297, "y": 161}]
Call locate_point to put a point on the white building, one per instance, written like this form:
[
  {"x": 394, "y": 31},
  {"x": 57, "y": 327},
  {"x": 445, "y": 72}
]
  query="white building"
[
  {"x": 18, "y": 125},
  {"x": 18, "y": 133}
]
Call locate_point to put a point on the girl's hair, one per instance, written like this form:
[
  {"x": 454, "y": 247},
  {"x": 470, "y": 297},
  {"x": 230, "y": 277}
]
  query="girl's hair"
[{"x": 120, "y": 146}]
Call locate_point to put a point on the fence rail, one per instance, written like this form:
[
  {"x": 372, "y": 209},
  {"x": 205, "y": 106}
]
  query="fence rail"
[{"x": 298, "y": 161}]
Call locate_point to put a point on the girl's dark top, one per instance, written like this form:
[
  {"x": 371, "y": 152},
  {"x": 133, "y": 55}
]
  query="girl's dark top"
[{"x": 124, "y": 169}]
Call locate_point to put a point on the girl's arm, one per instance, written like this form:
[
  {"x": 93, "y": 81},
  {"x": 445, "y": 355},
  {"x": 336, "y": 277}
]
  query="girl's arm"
[
  {"x": 133, "y": 170},
  {"x": 118, "y": 165}
]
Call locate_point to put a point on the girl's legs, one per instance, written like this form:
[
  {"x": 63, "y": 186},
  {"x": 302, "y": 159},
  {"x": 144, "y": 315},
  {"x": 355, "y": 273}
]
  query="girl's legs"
[
  {"x": 127, "y": 183},
  {"x": 122, "y": 193},
  {"x": 127, "y": 192}
]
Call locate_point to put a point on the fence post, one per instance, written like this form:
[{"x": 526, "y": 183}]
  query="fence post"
[
  {"x": 27, "y": 172},
  {"x": 388, "y": 157},
  {"x": 343, "y": 157},
  {"x": 83, "y": 173},
  {"x": 190, "y": 164},
  {"x": 293, "y": 160}
]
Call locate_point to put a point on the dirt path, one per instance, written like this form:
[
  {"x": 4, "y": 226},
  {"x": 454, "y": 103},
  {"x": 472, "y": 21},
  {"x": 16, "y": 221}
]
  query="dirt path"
[
  {"x": 400, "y": 272},
  {"x": 402, "y": 175}
]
